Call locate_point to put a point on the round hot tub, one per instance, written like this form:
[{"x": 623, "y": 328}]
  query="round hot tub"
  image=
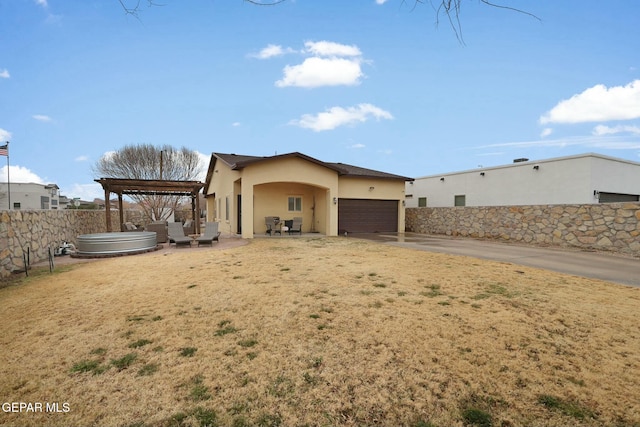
[{"x": 113, "y": 244}]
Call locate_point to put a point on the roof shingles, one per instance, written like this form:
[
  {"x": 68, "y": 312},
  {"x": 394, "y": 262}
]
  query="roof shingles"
[{"x": 236, "y": 161}]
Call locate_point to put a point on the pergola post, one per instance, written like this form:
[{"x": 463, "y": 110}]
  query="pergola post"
[
  {"x": 121, "y": 210},
  {"x": 196, "y": 213},
  {"x": 196, "y": 222},
  {"x": 107, "y": 207}
]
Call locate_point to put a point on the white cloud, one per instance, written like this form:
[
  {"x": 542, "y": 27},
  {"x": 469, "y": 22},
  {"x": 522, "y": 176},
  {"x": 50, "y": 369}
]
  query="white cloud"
[
  {"x": 41, "y": 118},
  {"x": 316, "y": 72},
  {"x": 339, "y": 116},
  {"x": 236, "y": 124},
  {"x": 381, "y": 1},
  {"x": 357, "y": 146},
  {"x": 82, "y": 158},
  {"x": 598, "y": 103},
  {"x": 20, "y": 174},
  {"x": 42, "y": 3},
  {"x": 546, "y": 132},
  {"x": 86, "y": 192},
  {"x": 4, "y": 74},
  {"x": 326, "y": 48},
  {"x": 607, "y": 130},
  {"x": 329, "y": 64},
  {"x": 5, "y": 135},
  {"x": 272, "y": 51},
  {"x": 604, "y": 142}
]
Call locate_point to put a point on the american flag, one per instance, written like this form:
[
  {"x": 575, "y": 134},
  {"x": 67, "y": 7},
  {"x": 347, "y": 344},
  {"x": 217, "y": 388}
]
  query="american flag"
[{"x": 4, "y": 150}]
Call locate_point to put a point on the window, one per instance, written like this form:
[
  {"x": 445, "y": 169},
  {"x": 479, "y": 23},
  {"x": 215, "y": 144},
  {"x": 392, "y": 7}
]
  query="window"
[
  {"x": 422, "y": 202},
  {"x": 616, "y": 197},
  {"x": 16, "y": 205},
  {"x": 227, "y": 207},
  {"x": 295, "y": 204},
  {"x": 459, "y": 200}
]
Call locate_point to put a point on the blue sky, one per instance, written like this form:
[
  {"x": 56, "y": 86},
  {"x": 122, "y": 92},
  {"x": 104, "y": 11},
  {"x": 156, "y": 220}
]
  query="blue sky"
[{"x": 371, "y": 83}]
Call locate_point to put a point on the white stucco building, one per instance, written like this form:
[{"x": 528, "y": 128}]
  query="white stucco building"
[
  {"x": 580, "y": 179},
  {"x": 31, "y": 196}
]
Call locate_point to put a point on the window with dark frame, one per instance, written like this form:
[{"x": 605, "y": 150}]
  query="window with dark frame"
[{"x": 295, "y": 204}]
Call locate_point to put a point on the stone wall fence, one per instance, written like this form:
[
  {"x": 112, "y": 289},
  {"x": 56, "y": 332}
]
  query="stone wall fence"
[
  {"x": 36, "y": 231},
  {"x": 613, "y": 227}
]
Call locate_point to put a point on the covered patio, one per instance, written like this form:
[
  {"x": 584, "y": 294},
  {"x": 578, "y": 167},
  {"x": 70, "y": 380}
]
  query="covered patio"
[{"x": 150, "y": 187}]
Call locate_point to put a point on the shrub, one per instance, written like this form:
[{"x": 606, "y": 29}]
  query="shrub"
[
  {"x": 476, "y": 417},
  {"x": 140, "y": 343},
  {"x": 188, "y": 351},
  {"x": 86, "y": 366},
  {"x": 125, "y": 361}
]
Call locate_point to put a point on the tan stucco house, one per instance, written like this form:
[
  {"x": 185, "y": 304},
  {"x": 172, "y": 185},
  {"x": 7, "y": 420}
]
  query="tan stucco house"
[{"x": 331, "y": 198}]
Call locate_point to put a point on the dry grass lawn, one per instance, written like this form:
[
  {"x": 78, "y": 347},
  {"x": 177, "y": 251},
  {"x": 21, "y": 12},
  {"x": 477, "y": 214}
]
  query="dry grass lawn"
[{"x": 318, "y": 332}]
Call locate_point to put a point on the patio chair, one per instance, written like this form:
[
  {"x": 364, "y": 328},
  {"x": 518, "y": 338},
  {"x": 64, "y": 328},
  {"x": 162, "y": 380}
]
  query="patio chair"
[
  {"x": 160, "y": 228},
  {"x": 273, "y": 224},
  {"x": 176, "y": 235},
  {"x": 211, "y": 233},
  {"x": 129, "y": 226},
  {"x": 296, "y": 225},
  {"x": 189, "y": 227}
]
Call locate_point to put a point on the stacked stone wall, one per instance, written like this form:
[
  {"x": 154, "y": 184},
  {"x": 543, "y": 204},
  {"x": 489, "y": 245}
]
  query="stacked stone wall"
[
  {"x": 611, "y": 227},
  {"x": 34, "y": 232}
]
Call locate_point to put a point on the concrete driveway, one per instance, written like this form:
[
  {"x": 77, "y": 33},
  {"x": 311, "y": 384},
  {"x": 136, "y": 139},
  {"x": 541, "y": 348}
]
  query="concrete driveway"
[{"x": 612, "y": 268}]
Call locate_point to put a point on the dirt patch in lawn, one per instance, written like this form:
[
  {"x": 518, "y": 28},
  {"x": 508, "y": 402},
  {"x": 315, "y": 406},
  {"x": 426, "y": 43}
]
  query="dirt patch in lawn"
[{"x": 326, "y": 331}]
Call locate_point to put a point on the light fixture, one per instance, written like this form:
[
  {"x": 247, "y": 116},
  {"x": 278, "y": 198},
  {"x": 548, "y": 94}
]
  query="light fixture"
[
  {"x": 442, "y": 179},
  {"x": 335, "y": 200},
  {"x": 536, "y": 167},
  {"x": 371, "y": 188},
  {"x": 481, "y": 173}
]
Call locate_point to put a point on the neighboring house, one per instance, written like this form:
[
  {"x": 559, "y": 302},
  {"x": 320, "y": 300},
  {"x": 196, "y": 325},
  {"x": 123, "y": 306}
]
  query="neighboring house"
[
  {"x": 64, "y": 202},
  {"x": 581, "y": 179},
  {"x": 331, "y": 198},
  {"x": 30, "y": 196}
]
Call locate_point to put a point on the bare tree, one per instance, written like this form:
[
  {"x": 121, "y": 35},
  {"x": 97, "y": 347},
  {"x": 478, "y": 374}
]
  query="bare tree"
[{"x": 149, "y": 162}]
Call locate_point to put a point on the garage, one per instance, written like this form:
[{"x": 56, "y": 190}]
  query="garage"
[{"x": 367, "y": 216}]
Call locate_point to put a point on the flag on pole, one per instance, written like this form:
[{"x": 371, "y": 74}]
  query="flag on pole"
[{"x": 4, "y": 150}]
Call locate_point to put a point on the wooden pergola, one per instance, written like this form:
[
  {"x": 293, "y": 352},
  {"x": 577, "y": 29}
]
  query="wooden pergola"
[{"x": 150, "y": 187}]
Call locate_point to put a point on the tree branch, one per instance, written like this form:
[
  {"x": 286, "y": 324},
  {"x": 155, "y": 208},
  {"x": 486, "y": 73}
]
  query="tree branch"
[
  {"x": 133, "y": 11},
  {"x": 259, "y": 3},
  {"x": 511, "y": 8},
  {"x": 452, "y": 8}
]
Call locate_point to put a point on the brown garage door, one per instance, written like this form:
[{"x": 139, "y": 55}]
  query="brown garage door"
[{"x": 367, "y": 216}]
